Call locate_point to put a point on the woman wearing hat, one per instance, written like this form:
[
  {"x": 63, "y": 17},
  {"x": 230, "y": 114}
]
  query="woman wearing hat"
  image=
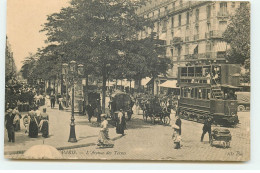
[
  {"x": 103, "y": 138},
  {"x": 121, "y": 123},
  {"x": 44, "y": 124},
  {"x": 176, "y": 136},
  {"x": 33, "y": 125}
]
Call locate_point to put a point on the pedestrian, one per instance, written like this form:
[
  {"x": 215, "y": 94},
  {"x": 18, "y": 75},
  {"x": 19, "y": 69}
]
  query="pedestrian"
[
  {"x": 33, "y": 126},
  {"x": 206, "y": 128},
  {"x": 9, "y": 118},
  {"x": 52, "y": 97},
  {"x": 121, "y": 124},
  {"x": 61, "y": 104},
  {"x": 90, "y": 111},
  {"x": 103, "y": 138},
  {"x": 26, "y": 123},
  {"x": 16, "y": 121},
  {"x": 44, "y": 124},
  {"x": 176, "y": 136}
]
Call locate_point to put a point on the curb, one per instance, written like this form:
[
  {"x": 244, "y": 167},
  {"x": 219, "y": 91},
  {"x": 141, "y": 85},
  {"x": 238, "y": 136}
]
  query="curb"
[{"x": 58, "y": 148}]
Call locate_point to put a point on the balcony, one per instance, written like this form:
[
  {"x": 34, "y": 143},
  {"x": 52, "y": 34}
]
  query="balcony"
[
  {"x": 176, "y": 40},
  {"x": 223, "y": 14},
  {"x": 214, "y": 34}
]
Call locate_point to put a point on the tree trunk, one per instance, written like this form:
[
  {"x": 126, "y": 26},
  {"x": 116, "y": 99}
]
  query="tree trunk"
[
  {"x": 86, "y": 96},
  {"x": 104, "y": 92}
]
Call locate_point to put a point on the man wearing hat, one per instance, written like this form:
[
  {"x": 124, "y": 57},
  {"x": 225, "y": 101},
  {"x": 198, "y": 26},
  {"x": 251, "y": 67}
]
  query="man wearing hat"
[
  {"x": 206, "y": 128},
  {"x": 9, "y": 118}
]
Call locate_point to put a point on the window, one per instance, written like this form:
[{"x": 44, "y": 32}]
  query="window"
[
  {"x": 179, "y": 20},
  {"x": 196, "y": 93},
  {"x": 208, "y": 12},
  {"x": 192, "y": 93},
  {"x": 208, "y": 94},
  {"x": 159, "y": 12},
  {"x": 197, "y": 15},
  {"x": 188, "y": 18},
  {"x": 208, "y": 27},
  {"x": 181, "y": 3},
  {"x": 173, "y": 5},
  {"x": 187, "y": 50},
  {"x": 171, "y": 52},
  {"x": 204, "y": 93},
  {"x": 223, "y": 8},
  {"x": 172, "y": 22},
  {"x": 233, "y": 4}
]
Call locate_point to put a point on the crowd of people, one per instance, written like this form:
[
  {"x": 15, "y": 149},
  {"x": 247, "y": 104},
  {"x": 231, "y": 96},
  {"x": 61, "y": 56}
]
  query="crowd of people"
[{"x": 35, "y": 122}]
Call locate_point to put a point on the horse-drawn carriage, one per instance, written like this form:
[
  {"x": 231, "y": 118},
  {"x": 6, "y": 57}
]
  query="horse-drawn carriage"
[
  {"x": 120, "y": 100},
  {"x": 156, "y": 108}
]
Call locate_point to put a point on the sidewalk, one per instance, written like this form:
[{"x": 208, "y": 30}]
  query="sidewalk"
[{"x": 59, "y": 129}]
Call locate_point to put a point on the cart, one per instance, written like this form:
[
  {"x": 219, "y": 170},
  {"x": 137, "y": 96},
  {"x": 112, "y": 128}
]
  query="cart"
[{"x": 220, "y": 138}]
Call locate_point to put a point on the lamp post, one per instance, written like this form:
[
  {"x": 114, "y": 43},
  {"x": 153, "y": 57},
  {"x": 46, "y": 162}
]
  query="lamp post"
[{"x": 71, "y": 70}]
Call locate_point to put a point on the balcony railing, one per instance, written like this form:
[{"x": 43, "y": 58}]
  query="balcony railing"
[
  {"x": 214, "y": 34},
  {"x": 207, "y": 55},
  {"x": 223, "y": 14}
]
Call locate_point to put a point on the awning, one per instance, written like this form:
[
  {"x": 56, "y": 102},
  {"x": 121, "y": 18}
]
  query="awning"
[
  {"x": 169, "y": 84},
  {"x": 193, "y": 46},
  {"x": 145, "y": 81},
  {"x": 230, "y": 86},
  {"x": 109, "y": 84},
  {"x": 221, "y": 47}
]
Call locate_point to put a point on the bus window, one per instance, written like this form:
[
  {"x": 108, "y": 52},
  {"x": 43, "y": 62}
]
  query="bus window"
[
  {"x": 208, "y": 94},
  {"x": 192, "y": 93},
  {"x": 190, "y": 71},
  {"x": 205, "y": 71},
  {"x": 198, "y": 71},
  {"x": 204, "y": 93},
  {"x": 184, "y": 71},
  {"x": 199, "y": 93}
]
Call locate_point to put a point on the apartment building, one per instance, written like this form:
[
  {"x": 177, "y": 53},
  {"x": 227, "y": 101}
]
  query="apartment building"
[{"x": 192, "y": 30}]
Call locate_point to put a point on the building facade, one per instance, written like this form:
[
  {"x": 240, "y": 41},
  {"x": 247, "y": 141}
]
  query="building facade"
[{"x": 192, "y": 30}]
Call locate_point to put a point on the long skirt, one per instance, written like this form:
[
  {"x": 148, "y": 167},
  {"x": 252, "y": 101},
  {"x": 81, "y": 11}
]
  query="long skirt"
[
  {"x": 33, "y": 129},
  {"x": 17, "y": 126},
  {"x": 103, "y": 137},
  {"x": 45, "y": 129},
  {"x": 120, "y": 128}
]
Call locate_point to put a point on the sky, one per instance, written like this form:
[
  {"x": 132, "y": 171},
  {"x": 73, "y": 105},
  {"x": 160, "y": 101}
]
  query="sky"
[{"x": 24, "y": 21}]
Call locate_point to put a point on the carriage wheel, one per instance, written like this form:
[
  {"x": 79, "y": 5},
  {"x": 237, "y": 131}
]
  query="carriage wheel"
[{"x": 224, "y": 144}]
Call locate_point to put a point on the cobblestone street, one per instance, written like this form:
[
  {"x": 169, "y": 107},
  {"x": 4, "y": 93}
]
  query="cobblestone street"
[{"x": 143, "y": 140}]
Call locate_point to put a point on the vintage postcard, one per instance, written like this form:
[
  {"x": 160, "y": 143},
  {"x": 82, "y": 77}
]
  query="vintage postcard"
[{"x": 164, "y": 80}]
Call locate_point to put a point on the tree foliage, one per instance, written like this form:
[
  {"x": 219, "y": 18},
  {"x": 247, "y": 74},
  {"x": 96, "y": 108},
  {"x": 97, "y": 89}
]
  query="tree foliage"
[{"x": 237, "y": 35}]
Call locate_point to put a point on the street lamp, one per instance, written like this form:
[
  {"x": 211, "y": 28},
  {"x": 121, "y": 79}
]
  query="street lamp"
[{"x": 71, "y": 70}]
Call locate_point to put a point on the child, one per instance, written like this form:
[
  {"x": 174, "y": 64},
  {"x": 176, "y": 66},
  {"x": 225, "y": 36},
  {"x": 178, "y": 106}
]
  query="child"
[{"x": 26, "y": 122}]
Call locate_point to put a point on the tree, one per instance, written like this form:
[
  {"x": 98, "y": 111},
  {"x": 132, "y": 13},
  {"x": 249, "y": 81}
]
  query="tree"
[
  {"x": 237, "y": 35},
  {"x": 93, "y": 32}
]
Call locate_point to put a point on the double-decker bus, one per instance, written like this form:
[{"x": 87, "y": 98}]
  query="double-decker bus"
[{"x": 209, "y": 90}]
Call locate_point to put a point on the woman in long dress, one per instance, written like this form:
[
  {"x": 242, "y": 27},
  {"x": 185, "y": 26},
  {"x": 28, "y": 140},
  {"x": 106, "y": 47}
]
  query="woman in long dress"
[
  {"x": 176, "y": 136},
  {"x": 120, "y": 127},
  {"x": 103, "y": 138},
  {"x": 44, "y": 124},
  {"x": 33, "y": 126}
]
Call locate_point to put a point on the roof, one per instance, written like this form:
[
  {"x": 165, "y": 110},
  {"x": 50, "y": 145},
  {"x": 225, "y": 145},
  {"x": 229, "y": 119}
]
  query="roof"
[{"x": 169, "y": 84}]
